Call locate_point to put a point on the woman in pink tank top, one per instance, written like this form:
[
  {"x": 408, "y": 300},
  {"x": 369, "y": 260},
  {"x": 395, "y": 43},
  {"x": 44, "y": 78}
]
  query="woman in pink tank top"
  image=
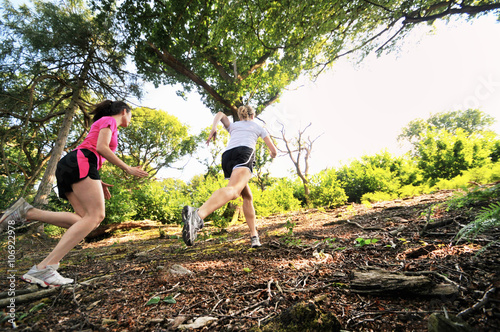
[{"x": 79, "y": 182}]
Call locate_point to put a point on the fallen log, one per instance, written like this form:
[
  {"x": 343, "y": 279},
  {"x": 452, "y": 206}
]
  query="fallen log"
[
  {"x": 30, "y": 297},
  {"x": 104, "y": 231},
  {"x": 378, "y": 282}
]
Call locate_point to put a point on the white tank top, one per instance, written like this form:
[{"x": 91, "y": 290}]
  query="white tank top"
[{"x": 244, "y": 133}]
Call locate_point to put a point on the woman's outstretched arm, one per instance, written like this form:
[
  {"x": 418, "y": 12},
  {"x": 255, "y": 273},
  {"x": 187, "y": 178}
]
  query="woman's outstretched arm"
[{"x": 218, "y": 117}]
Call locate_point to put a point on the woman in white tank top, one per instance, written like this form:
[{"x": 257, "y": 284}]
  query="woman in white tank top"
[{"x": 237, "y": 163}]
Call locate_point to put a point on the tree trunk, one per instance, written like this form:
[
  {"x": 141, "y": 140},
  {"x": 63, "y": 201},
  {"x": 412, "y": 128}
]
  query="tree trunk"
[{"x": 49, "y": 175}]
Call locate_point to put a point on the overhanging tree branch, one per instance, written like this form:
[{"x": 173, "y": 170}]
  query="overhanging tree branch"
[
  {"x": 257, "y": 65},
  {"x": 470, "y": 10},
  {"x": 220, "y": 69},
  {"x": 176, "y": 65}
]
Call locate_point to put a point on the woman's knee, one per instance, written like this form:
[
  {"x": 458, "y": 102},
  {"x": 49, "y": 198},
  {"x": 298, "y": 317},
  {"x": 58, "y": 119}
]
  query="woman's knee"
[
  {"x": 96, "y": 218},
  {"x": 232, "y": 193}
]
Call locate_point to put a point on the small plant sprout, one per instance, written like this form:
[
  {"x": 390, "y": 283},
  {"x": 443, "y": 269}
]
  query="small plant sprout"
[
  {"x": 330, "y": 241},
  {"x": 361, "y": 242},
  {"x": 289, "y": 226}
]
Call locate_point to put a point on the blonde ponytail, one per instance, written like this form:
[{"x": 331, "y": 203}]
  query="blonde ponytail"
[{"x": 245, "y": 112}]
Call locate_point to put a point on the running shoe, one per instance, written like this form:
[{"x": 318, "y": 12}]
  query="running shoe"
[
  {"x": 15, "y": 215},
  {"x": 255, "y": 241},
  {"x": 192, "y": 224},
  {"x": 47, "y": 277}
]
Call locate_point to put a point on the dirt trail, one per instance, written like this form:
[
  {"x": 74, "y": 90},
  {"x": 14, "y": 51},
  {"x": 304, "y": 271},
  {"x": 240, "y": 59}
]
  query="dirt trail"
[{"x": 240, "y": 288}]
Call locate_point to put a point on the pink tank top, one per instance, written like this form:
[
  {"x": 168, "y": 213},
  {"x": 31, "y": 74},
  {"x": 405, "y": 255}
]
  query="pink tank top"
[{"x": 90, "y": 142}]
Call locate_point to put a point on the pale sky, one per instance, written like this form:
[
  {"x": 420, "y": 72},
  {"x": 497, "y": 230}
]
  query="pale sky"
[{"x": 360, "y": 109}]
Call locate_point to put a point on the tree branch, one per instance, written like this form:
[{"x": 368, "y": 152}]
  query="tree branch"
[
  {"x": 271, "y": 100},
  {"x": 262, "y": 60},
  {"x": 177, "y": 66},
  {"x": 470, "y": 10},
  {"x": 220, "y": 69}
]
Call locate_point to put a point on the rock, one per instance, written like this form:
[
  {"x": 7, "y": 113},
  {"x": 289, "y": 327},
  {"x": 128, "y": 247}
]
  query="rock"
[
  {"x": 177, "y": 321},
  {"x": 300, "y": 318},
  {"x": 440, "y": 323},
  {"x": 199, "y": 322},
  {"x": 179, "y": 270}
]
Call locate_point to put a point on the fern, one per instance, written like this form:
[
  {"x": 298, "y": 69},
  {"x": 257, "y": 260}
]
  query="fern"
[{"x": 486, "y": 220}]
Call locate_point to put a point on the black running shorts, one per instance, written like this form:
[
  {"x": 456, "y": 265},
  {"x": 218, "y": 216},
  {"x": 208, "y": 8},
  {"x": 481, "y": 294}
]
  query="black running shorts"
[
  {"x": 74, "y": 167},
  {"x": 241, "y": 156}
]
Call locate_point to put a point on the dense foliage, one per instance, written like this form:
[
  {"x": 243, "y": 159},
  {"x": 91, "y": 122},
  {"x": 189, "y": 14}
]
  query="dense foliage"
[{"x": 155, "y": 140}]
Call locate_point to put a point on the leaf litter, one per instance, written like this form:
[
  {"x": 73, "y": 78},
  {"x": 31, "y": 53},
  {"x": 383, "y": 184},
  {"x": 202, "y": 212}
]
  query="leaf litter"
[{"x": 126, "y": 283}]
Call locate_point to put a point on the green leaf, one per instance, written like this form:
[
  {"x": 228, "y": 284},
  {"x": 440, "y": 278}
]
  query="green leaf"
[
  {"x": 153, "y": 300},
  {"x": 247, "y": 270},
  {"x": 37, "y": 307},
  {"x": 169, "y": 299}
]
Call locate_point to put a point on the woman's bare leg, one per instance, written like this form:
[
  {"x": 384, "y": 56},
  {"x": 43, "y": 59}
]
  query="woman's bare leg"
[
  {"x": 237, "y": 182},
  {"x": 61, "y": 219},
  {"x": 249, "y": 210},
  {"x": 88, "y": 196}
]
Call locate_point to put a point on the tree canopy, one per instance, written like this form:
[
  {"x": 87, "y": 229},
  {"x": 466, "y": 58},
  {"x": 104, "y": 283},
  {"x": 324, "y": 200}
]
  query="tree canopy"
[
  {"x": 469, "y": 121},
  {"x": 246, "y": 52},
  {"x": 56, "y": 61},
  {"x": 155, "y": 139}
]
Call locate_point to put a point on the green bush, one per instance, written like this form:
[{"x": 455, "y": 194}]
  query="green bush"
[
  {"x": 482, "y": 175},
  {"x": 366, "y": 176},
  {"x": 160, "y": 200},
  {"x": 54, "y": 203},
  {"x": 325, "y": 190},
  {"x": 458, "y": 182},
  {"x": 445, "y": 155},
  {"x": 298, "y": 191},
  {"x": 378, "y": 196},
  {"x": 120, "y": 207},
  {"x": 486, "y": 174},
  {"x": 495, "y": 152},
  {"x": 411, "y": 190},
  {"x": 277, "y": 198}
]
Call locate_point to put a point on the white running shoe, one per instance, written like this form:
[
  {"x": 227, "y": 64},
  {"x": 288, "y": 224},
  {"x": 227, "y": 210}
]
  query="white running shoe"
[
  {"x": 192, "y": 224},
  {"x": 15, "y": 215},
  {"x": 255, "y": 241},
  {"x": 48, "y": 277}
]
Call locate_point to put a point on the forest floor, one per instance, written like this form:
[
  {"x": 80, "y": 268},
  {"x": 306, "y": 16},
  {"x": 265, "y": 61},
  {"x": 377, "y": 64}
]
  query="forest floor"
[{"x": 123, "y": 282}]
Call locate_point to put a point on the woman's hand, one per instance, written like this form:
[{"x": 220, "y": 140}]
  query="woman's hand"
[
  {"x": 212, "y": 135},
  {"x": 105, "y": 186},
  {"x": 137, "y": 171}
]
